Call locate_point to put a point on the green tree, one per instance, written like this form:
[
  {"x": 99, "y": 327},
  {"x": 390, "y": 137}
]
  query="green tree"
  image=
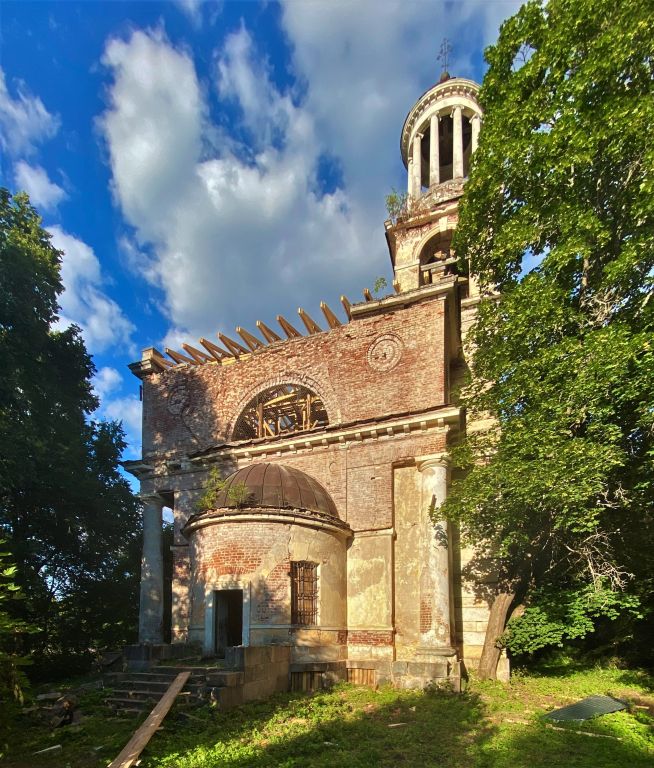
[
  {"x": 557, "y": 221},
  {"x": 68, "y": 515}
]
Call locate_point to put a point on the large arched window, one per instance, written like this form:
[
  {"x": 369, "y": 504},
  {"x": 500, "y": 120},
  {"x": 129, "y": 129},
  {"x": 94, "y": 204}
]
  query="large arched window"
[{"x": 280, "y": 410}]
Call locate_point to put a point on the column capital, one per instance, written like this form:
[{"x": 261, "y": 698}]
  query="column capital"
[
  {"x": 150, "y": 497},
  {"x": 434, "y": 460}
]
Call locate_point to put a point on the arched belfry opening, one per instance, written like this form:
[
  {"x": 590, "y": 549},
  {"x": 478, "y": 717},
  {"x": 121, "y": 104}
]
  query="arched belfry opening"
[{"x": 440, "y": 135}]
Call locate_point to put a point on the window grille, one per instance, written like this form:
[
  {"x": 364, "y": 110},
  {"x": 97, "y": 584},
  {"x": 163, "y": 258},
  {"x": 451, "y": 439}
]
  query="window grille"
[
  {"x": 304, "y": 593},
  {"x": 280, "y": 410}
]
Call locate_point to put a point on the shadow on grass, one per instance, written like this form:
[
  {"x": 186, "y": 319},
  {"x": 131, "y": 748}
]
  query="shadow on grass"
[
  {"x": 607, "y": 742},
  {"x": 349, "y": 727}
]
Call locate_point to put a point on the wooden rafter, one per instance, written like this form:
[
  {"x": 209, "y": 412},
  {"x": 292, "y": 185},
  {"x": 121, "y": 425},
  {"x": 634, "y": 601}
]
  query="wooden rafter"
[
  {"x": 396, "y": 286},
  {"x": 289, "y": 330},
  {"x": 233, "y": 346},
  {"x": 197, "y": 354},
  {"x": 218, "y": 353},
  {"x": 367, "y": 295},
  {"x": 310, "y": 324},
  {"x": 347, "y": 307},
  {"x": 179, "y": 358},
  {"x": 249, "y": 339},
  {"x": 330, "y": 317},
  {"x": 160, "y": 360},
  {"x": 269, "y": 335}
]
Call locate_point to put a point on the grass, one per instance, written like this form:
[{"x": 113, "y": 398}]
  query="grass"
[{"x": 491, "y": 725}]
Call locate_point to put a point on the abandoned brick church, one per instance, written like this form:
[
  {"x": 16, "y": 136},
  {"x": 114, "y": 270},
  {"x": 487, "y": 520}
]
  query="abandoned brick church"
[{"x": 336, "y": 440}]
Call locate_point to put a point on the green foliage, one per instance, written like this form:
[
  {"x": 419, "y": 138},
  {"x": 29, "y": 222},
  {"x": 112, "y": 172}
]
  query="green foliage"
[
  {"x": 490, "y": 725},
  {"x": 558, "y": 615},
  {"x": 237, "y": 493},
  {"x": 397, "y": 204},
  {"x": 558, "y": 216},
  {"x": 12, "y": 630},
  {"x": 68, "y": 515},
  {"x": 380, "y": 284}
]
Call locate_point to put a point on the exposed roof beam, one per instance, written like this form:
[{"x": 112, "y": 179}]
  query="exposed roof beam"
[
  {"x": 249, "y": 339},
  {"x": 367, "y": 295},
  {"x": 347, "y": 307},
  {"x": 233, "y": 346},
  {"x": 289, "y": 330},
  {"x": 268, "y": 334},
  {"x": 218, "y": 353},
  {"x": 330, "y": 317},
  {"x": 197, "y": 354},
  {"x": 310, "y": 324},
  {"x": 179, "y": 358}
]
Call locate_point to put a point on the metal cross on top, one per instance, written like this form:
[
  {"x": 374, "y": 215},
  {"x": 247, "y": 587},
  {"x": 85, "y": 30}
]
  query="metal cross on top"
[{"x": 444, "y": 54}]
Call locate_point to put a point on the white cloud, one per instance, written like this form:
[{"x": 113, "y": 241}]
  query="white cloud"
[
  {"x": 243, "y": 222},
  {"x": 238, "y": 229},
  {"x": 44, "y": 194},
  {"x": 24, "y": 120},
  {"x": 83, "y": 301},
  {"x": 128, "y": 410},
  {"x": 106, "y": 381},
  {"x": 192, "y": 9}
]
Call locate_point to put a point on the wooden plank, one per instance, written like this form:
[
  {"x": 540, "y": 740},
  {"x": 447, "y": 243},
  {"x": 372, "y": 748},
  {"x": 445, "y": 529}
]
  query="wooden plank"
[
  {"x": 347, "y": 307},
  {"x": 367, "y": 295},
  {"x": 218, "y": 353},
  {"x": 179, "y": 358},
  {"x": 161, "y": 361},
  {"x": 249, "y": 339},
  {"x": 291, "y": 333},
  {"x": 197, "y": 354},
  {"x": 268, "y": 334},
  {"x": 330, "y": 317},
  {"x": 140, "y": 739},
  {"x": 233, "y": 346},
  {"x": 310, "y": 324}
]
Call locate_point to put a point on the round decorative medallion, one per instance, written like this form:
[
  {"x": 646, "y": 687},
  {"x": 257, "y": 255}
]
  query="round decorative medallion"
[
  {"x": 385, "y": 352},
  {"x": 178, "y": 399}
]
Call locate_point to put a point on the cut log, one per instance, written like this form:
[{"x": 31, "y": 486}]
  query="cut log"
[{"x": 140, "y": 739}]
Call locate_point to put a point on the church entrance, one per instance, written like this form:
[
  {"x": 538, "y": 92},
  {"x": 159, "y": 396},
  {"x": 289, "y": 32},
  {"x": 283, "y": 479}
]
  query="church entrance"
[{"x": 229, "y": 619}]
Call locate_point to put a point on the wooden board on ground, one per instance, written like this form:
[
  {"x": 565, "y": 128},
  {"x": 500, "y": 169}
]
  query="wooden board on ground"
[{"x": 139, "y": 740}]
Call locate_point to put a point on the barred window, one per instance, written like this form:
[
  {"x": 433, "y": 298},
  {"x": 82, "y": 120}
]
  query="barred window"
[
  {"x": 304, "y": 593},
  {"x": 280, "y": 410}
]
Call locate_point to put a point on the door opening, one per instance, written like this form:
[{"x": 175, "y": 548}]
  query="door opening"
[{"x": 229, "y": 619}]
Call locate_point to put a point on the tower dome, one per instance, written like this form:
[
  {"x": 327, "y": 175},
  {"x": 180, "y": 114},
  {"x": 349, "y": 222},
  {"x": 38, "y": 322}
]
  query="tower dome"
[{"x": 440, "y": 134}]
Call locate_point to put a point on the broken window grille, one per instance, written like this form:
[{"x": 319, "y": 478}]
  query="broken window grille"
[
  {"x": 280, "y": 410},
  {"x": 304, "y": 593}
]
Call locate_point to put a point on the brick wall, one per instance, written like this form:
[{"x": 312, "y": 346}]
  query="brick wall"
[{"x": 192, "y": 408}]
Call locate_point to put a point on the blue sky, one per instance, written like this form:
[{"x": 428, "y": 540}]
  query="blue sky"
[{"x": 204, "y": 165}]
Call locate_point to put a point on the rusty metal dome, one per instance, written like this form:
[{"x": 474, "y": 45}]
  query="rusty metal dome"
[{"x": 278, "y": 486}]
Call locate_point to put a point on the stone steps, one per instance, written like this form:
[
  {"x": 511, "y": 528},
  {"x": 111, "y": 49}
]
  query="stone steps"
[{"x": 138, "y": 692}]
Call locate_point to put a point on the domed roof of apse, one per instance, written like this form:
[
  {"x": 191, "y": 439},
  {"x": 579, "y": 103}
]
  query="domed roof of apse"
[{"x": 278, "y": 486}]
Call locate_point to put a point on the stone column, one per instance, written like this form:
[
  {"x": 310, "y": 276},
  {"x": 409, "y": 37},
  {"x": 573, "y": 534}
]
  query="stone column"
[
  {"x": 435, "y": 612},
  {"x": 417, "y": 166},
  {"x": 434, "y": 156},
  {"x": 475, "y": 123},
  {"x": 151, "y": 604},
  {"x": 457, "y": 144}
]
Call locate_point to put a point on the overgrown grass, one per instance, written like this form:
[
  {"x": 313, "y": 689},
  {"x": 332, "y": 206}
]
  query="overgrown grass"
[{"x": 491, "y": 725}]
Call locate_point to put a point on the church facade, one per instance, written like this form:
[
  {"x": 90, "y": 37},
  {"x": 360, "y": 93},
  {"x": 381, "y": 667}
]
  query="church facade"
[{"x": 332, "y": 445}]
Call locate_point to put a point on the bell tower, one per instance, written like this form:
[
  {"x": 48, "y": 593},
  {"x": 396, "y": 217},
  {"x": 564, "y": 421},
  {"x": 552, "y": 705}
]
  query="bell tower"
[{"x": 438, "y": 139}]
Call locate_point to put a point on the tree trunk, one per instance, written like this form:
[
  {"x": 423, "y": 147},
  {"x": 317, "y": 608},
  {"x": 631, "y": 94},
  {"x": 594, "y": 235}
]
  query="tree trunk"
[{"x": 496, "y": 623}]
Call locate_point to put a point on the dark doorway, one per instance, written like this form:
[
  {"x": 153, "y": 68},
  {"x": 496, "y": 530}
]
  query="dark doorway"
[{"x": 229, "y": 619}]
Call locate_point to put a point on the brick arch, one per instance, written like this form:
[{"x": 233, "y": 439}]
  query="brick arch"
[{"x": 290, "y": 377}]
